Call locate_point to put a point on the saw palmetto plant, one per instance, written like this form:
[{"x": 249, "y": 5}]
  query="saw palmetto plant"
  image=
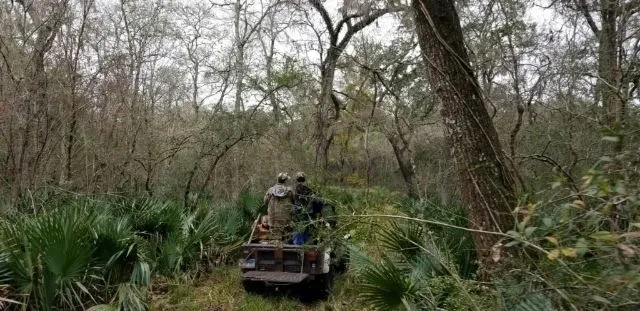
[{"x": 87, "y": 254}]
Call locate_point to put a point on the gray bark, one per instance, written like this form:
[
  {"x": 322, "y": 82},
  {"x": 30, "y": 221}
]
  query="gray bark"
[{"x": 486, "y": 183}]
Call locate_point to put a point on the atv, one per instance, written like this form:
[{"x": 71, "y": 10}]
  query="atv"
[{"x": 308, "y": 268}]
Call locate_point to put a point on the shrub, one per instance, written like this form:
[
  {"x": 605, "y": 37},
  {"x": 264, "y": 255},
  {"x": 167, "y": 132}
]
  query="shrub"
[
  {"x": 583, "y": 250},
  {"x": 422, "y": 267},
  {"x": 85, "y": 252}
]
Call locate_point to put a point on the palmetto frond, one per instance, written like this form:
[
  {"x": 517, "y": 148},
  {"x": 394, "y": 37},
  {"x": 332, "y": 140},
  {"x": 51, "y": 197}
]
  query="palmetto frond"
[
  {"x": 385, "y": 287},
  {"x": 434, "y": 263},
  {"x": 103, "y": 307},
  {"x": 46, "y": 258},
  {"x": 457, "y": 242},
  {"x": 5, "y": 272},
  {"x": 151, "y": 217},
  {"x": 131, "y": 298},
  {"x": 358, "y": 259},
  {"x": 86, "y": 253},
  {"x": 249, "y": 203},
  {"x": 406, "y": 239}
]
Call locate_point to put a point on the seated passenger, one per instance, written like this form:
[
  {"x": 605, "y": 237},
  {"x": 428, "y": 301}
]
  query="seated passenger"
[
  {"x": 261, "y": 232},
  {"x": 303, "y": 194}
]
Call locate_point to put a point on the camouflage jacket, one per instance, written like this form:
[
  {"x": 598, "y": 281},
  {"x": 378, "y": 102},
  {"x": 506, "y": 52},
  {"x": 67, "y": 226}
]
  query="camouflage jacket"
[{"x": 278, "y": 192}]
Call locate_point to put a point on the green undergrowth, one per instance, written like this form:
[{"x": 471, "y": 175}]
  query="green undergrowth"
[
  {"x": 393, "y": 262},
  {"x": 222, "y": 291},
  {"x": 140, "y": 254},
  {"x": 579, "y": 245},
  {"x": 573, "y": 249},
  {"x": 71, "y": 253}
]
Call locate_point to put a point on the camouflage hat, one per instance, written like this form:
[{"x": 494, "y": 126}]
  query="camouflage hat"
[{"x": 282, "y": 177}]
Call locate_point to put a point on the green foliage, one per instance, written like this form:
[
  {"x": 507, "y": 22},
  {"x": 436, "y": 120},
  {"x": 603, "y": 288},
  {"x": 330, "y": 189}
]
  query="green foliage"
[
  {"x": 424, "y": 266},
  {"x": 291, "y": 74},
  {"x": 536, "y": 302},
  {"x": 385, "y": 286},
  {"x": 249, "y": 203},
  {"x": 48, "y": 257},
  {"x": 427, "y": 281},
  {"x": 403, "y": 239},
  {"x": 360, "y": 201},
  {"x": 88, "y": 252},
  {"x": 131, "y": 297},
  {"x": 458, "y": 242},
  {"x": 103, "y": 308},
  {"x": 151, "y": 216},
  {"x": 583, "y": 249},
  {"x": 337, "y": 195}
]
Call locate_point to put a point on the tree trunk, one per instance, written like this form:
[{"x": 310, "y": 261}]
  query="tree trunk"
[
  {"x": 71, "y": 135},
  {"x": 608, "y": 67},
  {"x": 36, "y": 99},
  {"x": 324, "y": 130},
  {"x": 277, "y": 114},
  {"x": 322, "y": 150},
  {"x": 187, "y": 187},
  {"x": 323, "y": 119},
  {"x": 239, "y": 65},
  {"x": 407, "y": 167},
  {"x": 486, "y": 183},
  {"x": 73, "y": 123}
]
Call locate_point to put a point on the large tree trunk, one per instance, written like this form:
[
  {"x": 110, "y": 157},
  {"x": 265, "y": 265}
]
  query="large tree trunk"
[{"x": 486, "y": 183}]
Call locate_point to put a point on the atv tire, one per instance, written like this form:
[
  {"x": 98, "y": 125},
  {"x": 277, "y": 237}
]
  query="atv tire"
[
  {"x": 253, "y": 287},
  {"x": 322, "y": 286}
]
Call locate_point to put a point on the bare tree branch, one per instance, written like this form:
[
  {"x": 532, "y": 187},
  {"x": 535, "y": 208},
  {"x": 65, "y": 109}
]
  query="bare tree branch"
[
  {"x": 325, "y": 16},
  {"x": 368, "y": 20},
  {"x": 584, "y": 9}
]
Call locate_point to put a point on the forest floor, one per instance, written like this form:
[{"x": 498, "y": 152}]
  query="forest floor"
[{"x": 222, "y": 291}]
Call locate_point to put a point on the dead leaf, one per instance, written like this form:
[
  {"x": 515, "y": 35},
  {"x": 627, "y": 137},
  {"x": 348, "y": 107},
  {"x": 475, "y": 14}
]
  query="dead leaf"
[
  {"x": 579, "y": 204},
  {"x": 531, "y": 207},
  {"x": 604, "y": 236},
  {"x": 554, "y": 254},
  {"x": 553, "y": 240},
  {"x": 495, "y": 252},
  {"x": 626, "y": 250},
  {"x": 525, "y": 220},
  {"x": 631, "y": 235},
  {"x": 570, "y": 252}
]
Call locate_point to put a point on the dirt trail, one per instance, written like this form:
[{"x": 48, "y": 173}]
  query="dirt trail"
[{"x": 222, "y": 291}]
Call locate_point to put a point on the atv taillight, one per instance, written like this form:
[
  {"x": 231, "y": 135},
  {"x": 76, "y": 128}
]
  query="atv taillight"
[{"x": 311, "y": 255}]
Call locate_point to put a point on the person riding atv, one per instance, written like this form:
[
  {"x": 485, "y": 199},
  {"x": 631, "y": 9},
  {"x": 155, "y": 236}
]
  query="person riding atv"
[
  {"x": 294, "y": 217},
  {"x": 303, "y": 193},
  {"x": 279, "y": 200},
  {"x": 305, "y": 260}
]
